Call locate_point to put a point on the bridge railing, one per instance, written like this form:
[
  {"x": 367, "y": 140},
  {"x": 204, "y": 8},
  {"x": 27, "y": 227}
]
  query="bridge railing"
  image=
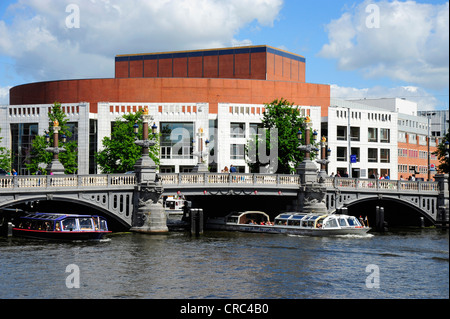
[
  {"x": 381, "y": 184},
  {"x": 65, "y": 181},
  {"x": 168, "y": 179}
]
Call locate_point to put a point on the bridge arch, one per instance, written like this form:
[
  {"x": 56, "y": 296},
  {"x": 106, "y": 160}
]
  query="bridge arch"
[
  {"x": 95, "y": 203},
  {"x": 398, "y": 211}
]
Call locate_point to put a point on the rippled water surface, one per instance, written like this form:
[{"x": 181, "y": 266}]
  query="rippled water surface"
[{"x": 406, "y": 263}]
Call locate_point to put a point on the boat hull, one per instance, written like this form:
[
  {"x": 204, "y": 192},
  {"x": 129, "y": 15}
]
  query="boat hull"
[
  {"x": 290, "y": 230},
  {"x": 59, "y": 235}
]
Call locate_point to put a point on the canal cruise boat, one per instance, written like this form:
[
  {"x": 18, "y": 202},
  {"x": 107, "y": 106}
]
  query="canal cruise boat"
[
  {"x": 60, "y": 226},
  {"x": 290, "y": 223}
]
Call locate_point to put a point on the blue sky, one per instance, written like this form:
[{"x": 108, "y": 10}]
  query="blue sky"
[{"x": 363, "y": 49}]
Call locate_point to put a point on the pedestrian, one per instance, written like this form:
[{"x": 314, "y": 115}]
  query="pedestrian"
[
  {"x": 14, "y": 172},
  {"x": 232, "y": 169}
]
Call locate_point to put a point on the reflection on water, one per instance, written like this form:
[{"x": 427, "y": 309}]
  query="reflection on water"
[{"x": 412, "y": 264}]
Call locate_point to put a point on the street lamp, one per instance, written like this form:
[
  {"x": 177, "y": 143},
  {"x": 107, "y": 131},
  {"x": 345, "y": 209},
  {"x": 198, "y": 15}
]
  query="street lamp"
[
  {"x": 428, "y": 142},
  {"x": 55, "y": 166},
  {"x": 200, "y": 154}
]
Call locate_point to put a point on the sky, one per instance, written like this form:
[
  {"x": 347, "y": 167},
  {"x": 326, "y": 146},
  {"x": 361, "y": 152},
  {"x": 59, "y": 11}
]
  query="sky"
[{"x": 362, "y": 49}]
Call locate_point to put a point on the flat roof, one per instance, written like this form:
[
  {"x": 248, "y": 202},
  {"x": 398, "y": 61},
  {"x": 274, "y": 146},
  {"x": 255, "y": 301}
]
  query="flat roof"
[{"x": 209, "y": 52}]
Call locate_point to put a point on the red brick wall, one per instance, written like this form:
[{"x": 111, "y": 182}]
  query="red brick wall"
[{"x": 166, "y": 90}]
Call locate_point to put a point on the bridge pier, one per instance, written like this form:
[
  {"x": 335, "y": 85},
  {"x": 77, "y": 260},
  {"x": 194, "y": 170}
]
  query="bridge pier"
[{"x": 149, "y": 215}]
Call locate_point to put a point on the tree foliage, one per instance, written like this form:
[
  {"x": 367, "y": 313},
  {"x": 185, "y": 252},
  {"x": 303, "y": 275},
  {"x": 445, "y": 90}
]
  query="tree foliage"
[
  {"x": 39, "y": 158},
  {"x": 444, "y": 162},
  {"x": 5, "y": 158},
  {"x": 120, "y": 153},
  {"x": 285, "y": 117}
]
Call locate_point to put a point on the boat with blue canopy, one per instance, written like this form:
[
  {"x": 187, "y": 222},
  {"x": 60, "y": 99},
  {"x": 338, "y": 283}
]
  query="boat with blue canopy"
[{"x": 61, "y": 226}]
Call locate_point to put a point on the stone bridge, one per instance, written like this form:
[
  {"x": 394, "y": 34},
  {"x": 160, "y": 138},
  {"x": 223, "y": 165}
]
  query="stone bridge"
[{"x": 114, "y": 194}]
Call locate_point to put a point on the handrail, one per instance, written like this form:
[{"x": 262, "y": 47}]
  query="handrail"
[{"x": 210, "y": 179}]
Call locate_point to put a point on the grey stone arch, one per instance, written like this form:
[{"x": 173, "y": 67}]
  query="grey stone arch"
[
  {"x": 412, "y": 202},
  {"x": 95, "y": 201}
]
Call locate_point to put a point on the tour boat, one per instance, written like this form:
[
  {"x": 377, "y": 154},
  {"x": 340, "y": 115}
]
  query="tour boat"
[
  {"x": 60, "y": 226},
  {"x": 290, "y": 223},
  {"x": 173, "y": 207}
]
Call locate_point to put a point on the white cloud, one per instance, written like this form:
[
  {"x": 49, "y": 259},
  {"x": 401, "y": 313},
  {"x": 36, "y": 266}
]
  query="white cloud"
[
  {"x": 37, "y": 36},
  {"x": 4, "y": 95},
  {"x": 424, "y": 100},
  {"x": 410, "y": 45}
]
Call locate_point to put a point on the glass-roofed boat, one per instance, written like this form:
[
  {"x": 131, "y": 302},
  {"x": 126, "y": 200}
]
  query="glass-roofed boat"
[
  {"x": 290, "y": 223},
  {"x": 60, "y": 226}
]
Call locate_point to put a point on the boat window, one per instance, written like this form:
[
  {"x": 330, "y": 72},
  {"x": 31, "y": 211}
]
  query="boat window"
[
  {"x": 103, "y": 225},
  {"x": 352, "y": 221},
  {"x": 85, "y": 223},
  {"x": 232, "y": 219},
  {"x": 331, "y": 223},
  {"x": 294, "y": 223},
  {"x": 342, "y": 222},
  {"x": 68, "y": 224}
]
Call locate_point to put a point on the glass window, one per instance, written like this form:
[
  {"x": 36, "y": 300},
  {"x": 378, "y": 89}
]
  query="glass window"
[
  {"x": 69, "y": 224},
  {"x": 342, "y": 222},
  {"x": 237, "y": 130},
  {"x": 341, "y": 133},
  {"x": 372, "y": 133},
  {"x": 384, "y": 155},
  {"x": 341, "y": 154},
  {"x": 354, "y": 133},
  {"x": 85, "y": 223},
  {"x": 372, "y": 155},
  {"x": 384, "y": 135},
  {"x": 237, "y": 151},
  {"x": 176, "y": 139}
]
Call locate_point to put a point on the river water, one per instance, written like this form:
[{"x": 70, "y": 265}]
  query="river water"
[{"x": 408, "y": 263}]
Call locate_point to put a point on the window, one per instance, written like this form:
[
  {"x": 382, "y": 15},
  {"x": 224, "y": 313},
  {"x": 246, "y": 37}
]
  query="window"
[
  {"x": 355, "y": 151},
  {"x": 85, "y": 223},
  {"x": 412, "y": 138},
  {"x": 341, "y": 154},
  {"x": 354, "y": 133},
  {"x": 69, "y": 224},
  {"x": 176, "y": 139},
  {"x": 384, "y": 135},
  {"x": 372, "y": 155},
  {"x": 341, "y": 133},
  {"x": 254, "y": 128},
  {"x": 237, "y": 151},
  {"x": 373, "y": 137},
  {"x": 384, "y": 155},
  {"x": 237, "y": 130}
]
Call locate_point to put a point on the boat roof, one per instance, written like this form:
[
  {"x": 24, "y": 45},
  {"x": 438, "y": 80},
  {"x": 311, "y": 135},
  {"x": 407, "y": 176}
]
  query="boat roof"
[
  {"x": 248, "y": 212},
  {"x": 302, "y": 216},
  {"x": 54, "y": 216}
]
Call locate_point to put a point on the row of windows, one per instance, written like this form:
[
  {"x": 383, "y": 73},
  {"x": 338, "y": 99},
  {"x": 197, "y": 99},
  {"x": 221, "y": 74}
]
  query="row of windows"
[
  {"x": 357, "y": 115},
  {"x": 374, "y": 155},
  {"x": 382, "y": 135},
  {"x": 412, "y": 169},
  {"x": 403, "y": 152}
]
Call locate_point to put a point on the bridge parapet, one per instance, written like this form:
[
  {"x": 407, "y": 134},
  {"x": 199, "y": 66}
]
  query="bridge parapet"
[
  {"x": 15, "y": 183},
  {"x": 378, "y": 185},
  {"x": 217, "y": 179}
]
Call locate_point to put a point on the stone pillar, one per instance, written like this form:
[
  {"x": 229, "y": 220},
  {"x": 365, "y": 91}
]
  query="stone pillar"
[
  {"x": 149, "y": 215},
  {"x": 311, "y": 195},
  {"x": 443, "y": 199},
  {"x": 55, "y": 165}
]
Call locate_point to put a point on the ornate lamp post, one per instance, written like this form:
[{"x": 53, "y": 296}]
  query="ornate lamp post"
[
  {"x": 201, "y": 166},
  {"x": 55, "y": 166},
  {"x": 324, "y": 159},
  {"x": 311, "y": 197},
  {"x": 150, "y": 216}
]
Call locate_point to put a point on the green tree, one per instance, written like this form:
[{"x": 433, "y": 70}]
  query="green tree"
[
  {"x": 5, "y": 157},
  {"x": 444, "y": 162},
  {"x": 285, "y": 117},
  {"x": 40, "y": 158},
  {"x": 120, "y": 153}
]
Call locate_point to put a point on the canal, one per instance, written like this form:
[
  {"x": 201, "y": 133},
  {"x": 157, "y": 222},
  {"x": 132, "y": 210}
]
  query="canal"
[{"x": 402, "y": 263}]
